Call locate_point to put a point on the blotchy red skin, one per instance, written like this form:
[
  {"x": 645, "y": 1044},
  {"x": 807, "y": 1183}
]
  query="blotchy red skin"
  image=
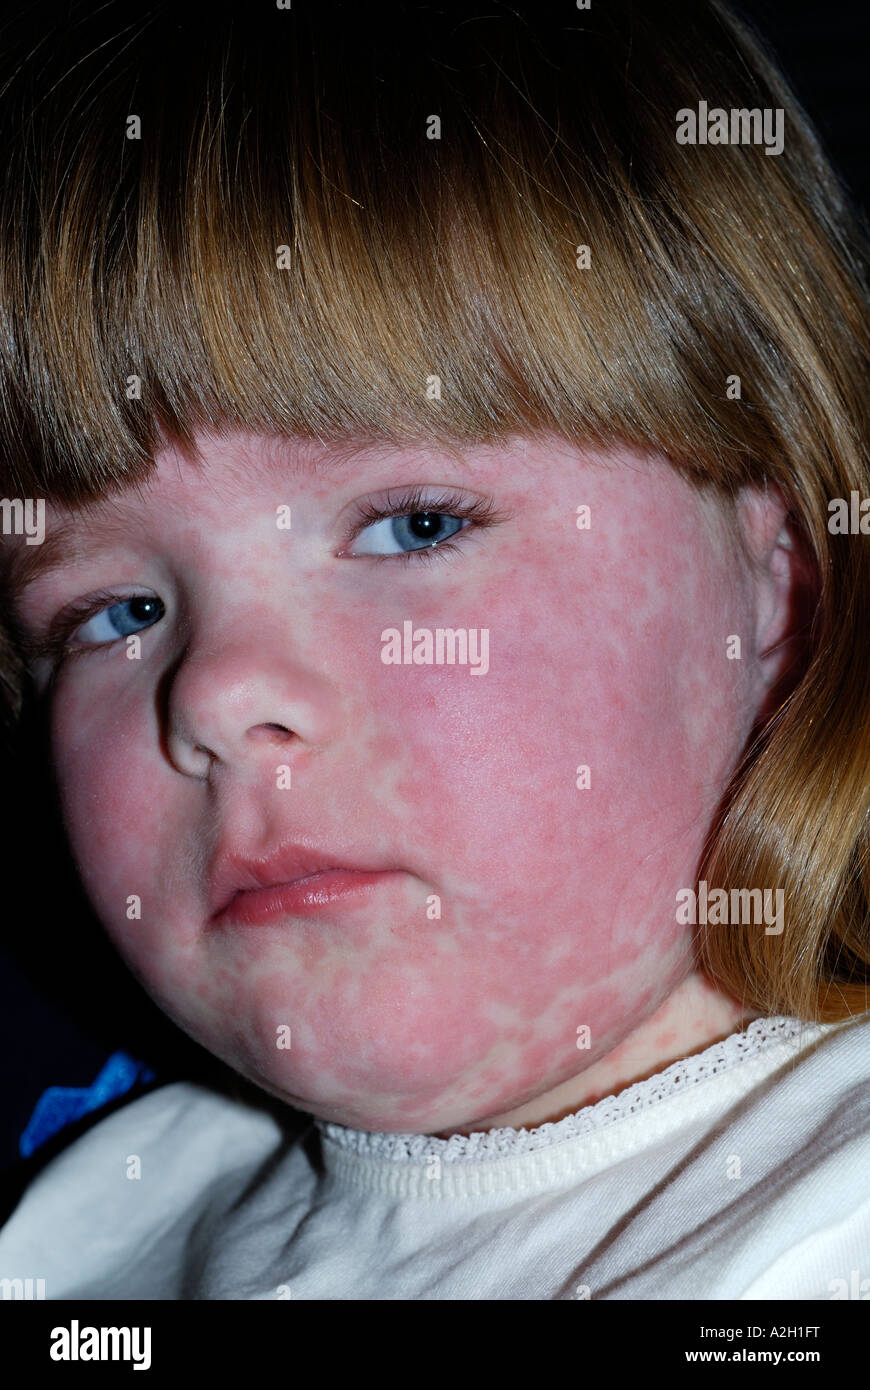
[{"x": 607, "y": 648}]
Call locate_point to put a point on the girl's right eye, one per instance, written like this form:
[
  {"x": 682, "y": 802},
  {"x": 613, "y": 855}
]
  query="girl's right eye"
[{"x": 127, "y": 616}]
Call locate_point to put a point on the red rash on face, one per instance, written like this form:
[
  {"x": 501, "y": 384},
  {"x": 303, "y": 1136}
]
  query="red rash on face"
[{"x": 557, "y": 904}]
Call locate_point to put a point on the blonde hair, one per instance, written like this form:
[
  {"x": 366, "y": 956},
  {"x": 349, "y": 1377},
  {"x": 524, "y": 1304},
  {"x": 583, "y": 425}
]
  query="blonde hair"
[{"x": 413, "y": 253}]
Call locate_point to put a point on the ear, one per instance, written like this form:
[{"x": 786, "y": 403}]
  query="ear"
[{"x": 785, "y": 591}]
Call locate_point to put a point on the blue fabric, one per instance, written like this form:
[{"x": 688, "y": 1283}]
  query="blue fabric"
[{"x": 60, "y": 1106}]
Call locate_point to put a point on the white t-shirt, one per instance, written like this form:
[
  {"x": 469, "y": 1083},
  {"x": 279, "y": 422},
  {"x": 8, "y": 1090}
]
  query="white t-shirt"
[{"x": 742, "y": 1172}]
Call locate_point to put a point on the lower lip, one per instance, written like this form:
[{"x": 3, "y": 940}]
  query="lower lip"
[{"x": 306, "y": 897}]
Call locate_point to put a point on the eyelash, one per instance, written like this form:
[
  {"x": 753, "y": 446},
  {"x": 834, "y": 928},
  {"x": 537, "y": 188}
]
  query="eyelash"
[
  {"x": 56, "y": 642},
  {"x": 481, "y": 512}
]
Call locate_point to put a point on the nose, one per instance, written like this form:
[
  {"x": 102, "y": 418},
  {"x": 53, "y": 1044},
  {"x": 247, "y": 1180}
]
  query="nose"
[{"x": 246, "y": 705}]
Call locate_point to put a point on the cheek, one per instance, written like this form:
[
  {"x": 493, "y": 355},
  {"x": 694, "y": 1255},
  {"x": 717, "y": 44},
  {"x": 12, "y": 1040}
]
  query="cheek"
[
  {"x": 104, "y": 782},
  {"x": 625, "y": 677},
  {"x": 122, "y": 823}
]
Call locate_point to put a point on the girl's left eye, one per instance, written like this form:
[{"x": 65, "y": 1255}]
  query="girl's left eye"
[
  {"x": 396, "y": 535},
  {"x": 418, "y": 521}
]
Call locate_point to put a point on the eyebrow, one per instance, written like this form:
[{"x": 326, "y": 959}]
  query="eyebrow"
[{"x": 66, "y": 544}]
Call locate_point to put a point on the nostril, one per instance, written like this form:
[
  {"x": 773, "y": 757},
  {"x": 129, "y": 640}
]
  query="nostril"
[{"x": 278, "y": 732}]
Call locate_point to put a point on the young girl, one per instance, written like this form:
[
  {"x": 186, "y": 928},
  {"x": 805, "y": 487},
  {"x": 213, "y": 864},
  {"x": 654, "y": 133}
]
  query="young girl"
[{"x": 451, "y": 628}]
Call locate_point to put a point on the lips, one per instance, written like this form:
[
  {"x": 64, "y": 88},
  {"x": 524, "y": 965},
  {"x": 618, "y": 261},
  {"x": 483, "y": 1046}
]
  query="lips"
[{"x": 292, "y": 878}]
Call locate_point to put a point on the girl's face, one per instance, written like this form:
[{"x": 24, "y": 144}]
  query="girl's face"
[{"x": 517, "y": 906}]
